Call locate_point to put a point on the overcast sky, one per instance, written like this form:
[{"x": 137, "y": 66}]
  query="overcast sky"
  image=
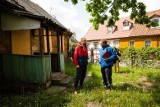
[{"x": 75, "y": 17}]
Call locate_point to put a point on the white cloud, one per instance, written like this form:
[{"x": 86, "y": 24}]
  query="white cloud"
[
  {"x": 76, "y": 18},
  {"x": 68, "y": 14}
]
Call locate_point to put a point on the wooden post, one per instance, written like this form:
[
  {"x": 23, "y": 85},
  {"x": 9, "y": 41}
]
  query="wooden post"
[
  {"x": 58, "y": 52},
  {"x": 41, "y": 41},
  {"x": 48, "y": 43},
  {"x": 61, "y": 43}
]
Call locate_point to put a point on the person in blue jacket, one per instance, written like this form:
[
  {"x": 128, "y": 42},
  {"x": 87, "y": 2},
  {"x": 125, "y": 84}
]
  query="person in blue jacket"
[{"x": 107, "y": 63}]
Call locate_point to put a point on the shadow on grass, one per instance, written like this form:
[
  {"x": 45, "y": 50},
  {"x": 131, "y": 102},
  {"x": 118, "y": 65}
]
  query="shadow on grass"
[
  {"x": 40, "y": 98},
  {"x": 154, "y": 78}
]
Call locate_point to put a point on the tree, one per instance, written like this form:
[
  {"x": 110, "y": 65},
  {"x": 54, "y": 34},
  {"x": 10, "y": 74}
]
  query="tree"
[{"x": 98, "y": 9}]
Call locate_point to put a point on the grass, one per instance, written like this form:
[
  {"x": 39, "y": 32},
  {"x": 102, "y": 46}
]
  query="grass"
[{"x": 126, "y": 91}]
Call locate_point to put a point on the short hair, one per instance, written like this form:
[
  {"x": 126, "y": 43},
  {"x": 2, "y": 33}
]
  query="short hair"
[{"x": 104, "y": 41}]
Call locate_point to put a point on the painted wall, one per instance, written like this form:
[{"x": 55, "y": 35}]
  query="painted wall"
[
  {"x": 21, "y": 43},
  {"x": 54, "y": 44},
  {"x": 139, "y": 42}
]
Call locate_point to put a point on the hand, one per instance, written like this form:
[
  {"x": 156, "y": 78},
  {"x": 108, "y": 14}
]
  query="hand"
[
  {"x": 77, "y": 66},
  {"x": 106, "y": 59}
]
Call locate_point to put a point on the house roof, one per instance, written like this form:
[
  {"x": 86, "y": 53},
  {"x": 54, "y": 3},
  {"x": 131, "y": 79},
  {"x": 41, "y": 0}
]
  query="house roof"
[
  {"x": 136, "y": 30},
  {"x": 101, "y": 33},
  {"x": 28, "y": 8}
]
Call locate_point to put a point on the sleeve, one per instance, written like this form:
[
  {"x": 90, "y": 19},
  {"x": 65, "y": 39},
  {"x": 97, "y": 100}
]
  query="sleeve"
[
  {"x": 76, "y": 56},
  {"x": 113, "y": 54}
]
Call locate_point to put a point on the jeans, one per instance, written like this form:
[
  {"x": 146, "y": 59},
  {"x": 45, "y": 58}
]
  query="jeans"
[
  {"x": 107, "y": 75},
  {"x": 80, "y": 76}
]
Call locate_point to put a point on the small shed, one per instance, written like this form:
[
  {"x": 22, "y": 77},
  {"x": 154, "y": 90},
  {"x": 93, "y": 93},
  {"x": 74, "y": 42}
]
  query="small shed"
[{"x": 32, "y": 43}]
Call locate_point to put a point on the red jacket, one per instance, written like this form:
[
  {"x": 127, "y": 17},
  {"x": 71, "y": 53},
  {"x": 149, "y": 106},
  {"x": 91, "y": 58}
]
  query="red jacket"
[{"x": 80, "y": 55}]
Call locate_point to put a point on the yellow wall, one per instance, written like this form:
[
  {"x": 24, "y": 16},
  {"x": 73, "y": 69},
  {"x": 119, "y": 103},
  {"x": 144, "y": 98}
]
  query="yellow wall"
[
  {"x": 50, "y": 44},
  {"x": 124, "y": 42},
  {"x": 139, "y": 42},
  {"x": 21, "y": 42},
  {"x": 54, "y": 44}
]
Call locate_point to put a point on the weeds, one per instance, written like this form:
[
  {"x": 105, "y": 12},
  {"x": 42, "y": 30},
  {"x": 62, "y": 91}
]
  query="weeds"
[{"x": 126, "y": 91}]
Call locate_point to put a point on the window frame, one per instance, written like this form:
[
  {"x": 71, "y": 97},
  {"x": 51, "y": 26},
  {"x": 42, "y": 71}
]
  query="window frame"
[
  {"x": 133, "y": 43},
  {"x": 157, "y": 18},
  {"x": 147, "y": 41}
]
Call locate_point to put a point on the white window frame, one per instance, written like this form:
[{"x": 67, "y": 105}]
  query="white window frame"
[
  {"x": 95, "y": 45},
  {"x": 125, "y": 22},
  {"x": 157, "y": 18},
  {"x": 147, "y": 41},
  {"x": 130, "y": 43}
]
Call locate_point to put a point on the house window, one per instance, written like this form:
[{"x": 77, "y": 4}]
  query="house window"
[
  {"x": 110, "y": 30},
  {"x": 131, "y": 43},
  {"x": 147, "y": 43},
  {"x": 95, "y": 45},
  {"x": 127, "y": 25},
  {"x": 116, "y": 43},
  {"x": 157, "y": 20}
]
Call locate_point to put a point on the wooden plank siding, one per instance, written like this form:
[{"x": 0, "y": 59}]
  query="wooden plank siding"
[{"x": 22, "y": 68}]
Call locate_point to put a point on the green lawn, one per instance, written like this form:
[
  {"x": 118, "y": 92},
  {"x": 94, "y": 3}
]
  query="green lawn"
[{"x": 132, "y": 87}]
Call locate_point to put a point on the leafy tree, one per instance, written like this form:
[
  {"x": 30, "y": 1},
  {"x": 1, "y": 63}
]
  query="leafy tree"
[{"x": 98, "y": 9}]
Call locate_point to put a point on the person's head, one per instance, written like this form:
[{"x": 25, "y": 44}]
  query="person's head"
[
  {"x": 103, "y": 42},
  {"x": 83, "y": 41}
]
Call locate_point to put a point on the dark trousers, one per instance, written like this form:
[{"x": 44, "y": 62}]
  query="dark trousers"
[
  {"x": 107, "y": 75},
  {"x": 80, "y": 76}
]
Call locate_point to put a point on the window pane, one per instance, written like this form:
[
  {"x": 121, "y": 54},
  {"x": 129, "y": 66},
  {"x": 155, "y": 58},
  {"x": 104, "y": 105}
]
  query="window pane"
[
  {"x": 147, "y": 43},
  {"x": 131, "y": 43}
]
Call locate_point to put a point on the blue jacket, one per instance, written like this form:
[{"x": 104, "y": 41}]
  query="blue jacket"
[{"x": 111, "y": 58}]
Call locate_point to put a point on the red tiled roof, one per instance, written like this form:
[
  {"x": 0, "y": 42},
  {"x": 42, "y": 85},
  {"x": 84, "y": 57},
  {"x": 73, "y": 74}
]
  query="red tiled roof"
[{"x": 136, "y": 30}]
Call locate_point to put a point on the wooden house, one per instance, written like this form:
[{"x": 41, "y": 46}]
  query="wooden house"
[
  {"x": 33, "y": 44},
  {"x": 125, "y": 34}
]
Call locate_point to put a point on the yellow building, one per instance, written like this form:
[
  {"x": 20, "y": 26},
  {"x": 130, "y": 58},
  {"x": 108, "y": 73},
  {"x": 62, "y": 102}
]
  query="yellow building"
[{"x": 125, "y": 33}]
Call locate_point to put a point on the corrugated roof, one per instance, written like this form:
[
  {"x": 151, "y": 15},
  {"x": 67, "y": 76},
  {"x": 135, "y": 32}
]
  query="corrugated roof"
[{"x": 136, "y": 30}]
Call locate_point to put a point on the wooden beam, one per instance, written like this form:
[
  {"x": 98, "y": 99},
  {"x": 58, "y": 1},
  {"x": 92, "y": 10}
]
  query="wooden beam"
[
  {"x": 41, "y": 41},
  {"x": 61, "y": 43},
  {"x": 48, "y": 43}
]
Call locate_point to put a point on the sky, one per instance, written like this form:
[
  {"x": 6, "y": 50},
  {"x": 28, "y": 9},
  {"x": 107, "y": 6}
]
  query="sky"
[{"x": 75, "y": 17}]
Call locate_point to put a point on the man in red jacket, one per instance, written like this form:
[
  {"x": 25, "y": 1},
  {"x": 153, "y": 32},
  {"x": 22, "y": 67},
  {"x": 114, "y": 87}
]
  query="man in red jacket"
[{"x": 80, "y": 61}]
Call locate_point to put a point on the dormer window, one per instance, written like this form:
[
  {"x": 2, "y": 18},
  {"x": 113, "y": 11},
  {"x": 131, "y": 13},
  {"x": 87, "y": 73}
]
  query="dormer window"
[
  {"x": 127, "y": 25},
  {"x": 110, "y": 30},
  {"x": 157, "y": 20}
]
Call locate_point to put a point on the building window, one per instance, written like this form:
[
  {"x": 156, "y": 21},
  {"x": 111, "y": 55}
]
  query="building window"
[
  {"x": 110, "y": 30},
  {"x": 131, "y": 43},
  {"x": 147, "y": 43},
  {"x": 126, "y": 23},
  {"x": 157, "y": 20},
  {"x": 95, "y": 44},
  {"x": 116, "y": 43}
]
